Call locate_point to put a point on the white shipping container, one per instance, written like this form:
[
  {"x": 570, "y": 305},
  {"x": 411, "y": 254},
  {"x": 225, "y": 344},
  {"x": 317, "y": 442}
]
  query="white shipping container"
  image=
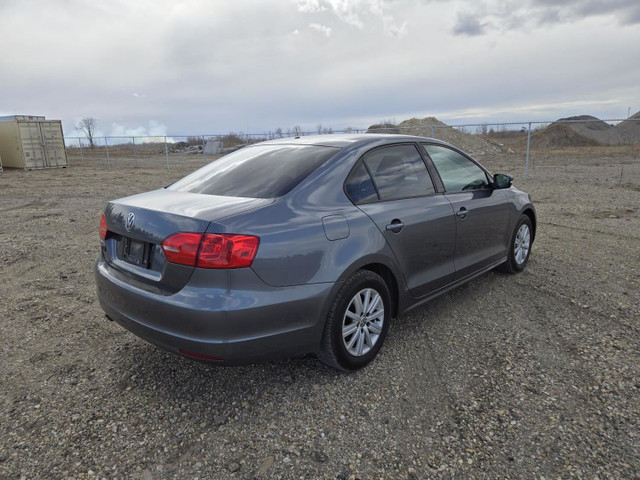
[{"x": 32, "y": 142}]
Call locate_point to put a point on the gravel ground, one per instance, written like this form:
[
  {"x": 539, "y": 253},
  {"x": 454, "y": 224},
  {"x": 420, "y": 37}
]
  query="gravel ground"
[{"x": 535, "y": 375}]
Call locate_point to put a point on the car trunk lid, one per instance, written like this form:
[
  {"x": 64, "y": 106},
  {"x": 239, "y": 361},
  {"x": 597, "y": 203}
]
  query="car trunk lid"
[{"x": 137, "y": 226}]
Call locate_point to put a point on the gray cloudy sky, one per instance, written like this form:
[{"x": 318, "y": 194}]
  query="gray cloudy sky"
[{"x": 190, "y": 67}]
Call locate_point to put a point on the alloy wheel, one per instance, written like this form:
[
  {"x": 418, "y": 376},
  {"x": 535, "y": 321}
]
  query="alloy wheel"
[
  {"x": 362, "y": 322},
  {"x": 522, "y": 244}
]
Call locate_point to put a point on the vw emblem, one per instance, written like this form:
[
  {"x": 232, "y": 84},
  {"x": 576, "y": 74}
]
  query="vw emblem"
[{"x": 131, "y": 218}]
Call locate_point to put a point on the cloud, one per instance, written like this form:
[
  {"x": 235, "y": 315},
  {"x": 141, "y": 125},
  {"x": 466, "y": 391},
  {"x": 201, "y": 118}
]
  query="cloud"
[
  {"x": 321, "y": 28},
  {"x": 468, "y": 24},
  {"x": 357, "y": 13},
  {"x": 478, "y": 18}
]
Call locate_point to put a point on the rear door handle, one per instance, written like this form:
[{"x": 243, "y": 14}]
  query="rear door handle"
[
  {"x": 395, "y": 226},
  {"x": 462, "y": 213}
]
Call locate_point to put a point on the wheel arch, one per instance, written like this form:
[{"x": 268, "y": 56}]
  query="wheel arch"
[
  {"x": 532, "y": 216},
  {"x": 390, "y": 279}
]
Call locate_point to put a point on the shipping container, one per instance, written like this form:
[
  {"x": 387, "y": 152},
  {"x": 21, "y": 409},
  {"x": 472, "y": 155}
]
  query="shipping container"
[{"x": 32, "y": 142}]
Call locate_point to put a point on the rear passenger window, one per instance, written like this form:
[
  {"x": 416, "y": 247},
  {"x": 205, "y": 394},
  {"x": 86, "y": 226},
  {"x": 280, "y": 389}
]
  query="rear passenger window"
[
  {"x": 359, "y": 186},
  {"x": 398, "y": 172},
  {"x": 457, "y": 172}
]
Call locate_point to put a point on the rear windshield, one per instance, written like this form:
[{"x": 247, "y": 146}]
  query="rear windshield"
[{"x": 264, "y": 171}]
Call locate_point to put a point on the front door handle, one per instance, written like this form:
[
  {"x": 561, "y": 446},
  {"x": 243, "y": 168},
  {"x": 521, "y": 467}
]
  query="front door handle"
[
  {"x": 462, "y": 213},
  {"x": 395, "y": 226}
]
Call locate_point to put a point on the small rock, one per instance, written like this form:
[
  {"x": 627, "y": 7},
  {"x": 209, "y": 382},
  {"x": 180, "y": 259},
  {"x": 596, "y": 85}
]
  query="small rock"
[
  {"x": 219, "y": 420},
  {"x": 4, "y": 456},
  {"x": 264, "y": 467},
  {"x": 233, "y": 467},
  {"x": 320, "y": 456}
]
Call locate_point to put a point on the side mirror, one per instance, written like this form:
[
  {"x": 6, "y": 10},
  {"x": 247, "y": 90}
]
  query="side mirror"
[{"x": 500, "y": 180}]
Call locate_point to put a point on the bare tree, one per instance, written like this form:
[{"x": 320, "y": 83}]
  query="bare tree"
[
  {"x": 297, "y": 131},
  {"x": 319, "y": 128},
  {"x": 88, "y": 127},
  {"x": 279, "y": 132}
]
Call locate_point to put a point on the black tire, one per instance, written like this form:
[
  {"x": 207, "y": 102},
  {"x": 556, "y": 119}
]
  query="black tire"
[
  {"x": 333, "y": 350},
  {"x": 515, "y": 264}
]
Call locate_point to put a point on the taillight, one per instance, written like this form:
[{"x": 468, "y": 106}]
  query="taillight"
[
  {"x": 103, "y": 227},
  {"x": 182, "y": 248},
  {"x": 227, "y": 251},
  {"x": 211, "y": 250}
]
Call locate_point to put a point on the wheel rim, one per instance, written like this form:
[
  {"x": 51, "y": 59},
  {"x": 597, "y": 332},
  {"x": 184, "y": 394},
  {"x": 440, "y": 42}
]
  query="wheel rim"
[
  {"x": 362, "y": 322},
  {"x": 522, "y": 244}
]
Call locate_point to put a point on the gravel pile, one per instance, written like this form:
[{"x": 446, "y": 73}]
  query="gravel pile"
[
  {"x": 527, "y": 376},
  {"x": 630, "y": 129},
  {"x": 558, "y": 135},
  {"x": 594, "y": 129},
  {"x": 432, "y": 127},
  {"x": 586, "y": 130}
]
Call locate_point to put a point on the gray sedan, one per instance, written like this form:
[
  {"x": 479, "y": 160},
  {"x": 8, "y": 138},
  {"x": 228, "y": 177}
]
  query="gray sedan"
[{"x": 309, "y": 244}]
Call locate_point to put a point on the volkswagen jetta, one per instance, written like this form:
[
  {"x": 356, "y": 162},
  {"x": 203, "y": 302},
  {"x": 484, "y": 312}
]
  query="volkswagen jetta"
[{"x": 309, "y": 244}]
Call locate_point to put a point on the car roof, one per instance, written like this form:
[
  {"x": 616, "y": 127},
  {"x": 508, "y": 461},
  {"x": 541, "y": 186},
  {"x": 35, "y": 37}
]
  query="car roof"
[{"x": 349, "y": 139}]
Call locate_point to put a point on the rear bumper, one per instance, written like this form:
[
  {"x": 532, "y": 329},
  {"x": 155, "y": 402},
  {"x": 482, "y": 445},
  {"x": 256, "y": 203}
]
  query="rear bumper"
[{"x": 240, "y": 319}]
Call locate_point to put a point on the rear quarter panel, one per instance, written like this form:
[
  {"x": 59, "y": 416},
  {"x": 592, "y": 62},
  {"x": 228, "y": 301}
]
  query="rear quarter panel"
[{"x": 294, "y": 248}]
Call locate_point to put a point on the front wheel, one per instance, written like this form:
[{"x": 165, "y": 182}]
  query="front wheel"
[
  {"x": 520, "y": 247},
  {"x": 357, "y": 322}
]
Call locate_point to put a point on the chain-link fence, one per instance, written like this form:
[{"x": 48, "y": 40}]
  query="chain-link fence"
[{"x": 514, "y": 147}]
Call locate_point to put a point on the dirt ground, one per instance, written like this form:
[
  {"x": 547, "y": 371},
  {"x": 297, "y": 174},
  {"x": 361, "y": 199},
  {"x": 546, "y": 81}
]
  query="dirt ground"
[{"x": 535, "y": 375}]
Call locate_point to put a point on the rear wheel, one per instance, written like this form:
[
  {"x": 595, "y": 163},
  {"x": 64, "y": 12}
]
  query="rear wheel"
[
  {"x": 520, "y": 247},
  {"x": 357, "y": 322}
]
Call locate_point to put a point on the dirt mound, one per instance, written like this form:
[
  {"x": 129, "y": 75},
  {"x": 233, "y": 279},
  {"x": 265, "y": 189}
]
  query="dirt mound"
[
  {"x": 629, "y": 129},
  {"x": 384, "y": 128},
  {"x": 432, "y": 127},
  {"x": 594, "y": 129},
  {"x": 559, "y": 135}
]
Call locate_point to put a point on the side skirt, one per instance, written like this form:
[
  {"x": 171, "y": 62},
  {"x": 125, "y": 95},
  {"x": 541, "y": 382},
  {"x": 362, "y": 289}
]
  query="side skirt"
[{"x": 430, "y": 296}]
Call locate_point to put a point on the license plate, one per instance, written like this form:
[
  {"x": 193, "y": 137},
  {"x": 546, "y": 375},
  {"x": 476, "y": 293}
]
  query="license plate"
[{"x": 136, "y": 253}]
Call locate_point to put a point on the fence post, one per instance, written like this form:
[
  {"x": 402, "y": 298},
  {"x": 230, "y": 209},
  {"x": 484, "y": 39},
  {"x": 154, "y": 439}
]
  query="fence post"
[
  {"x": 106, "y": 144},
  {"x": 166, "y": 151},
  {"x": 204, "y": 154},
  {"x": 81, "y": 156},
  {"x": 135, "y": 155},
  {"x": 621, "y": 172},
  {"x": 526, "y": 163}
]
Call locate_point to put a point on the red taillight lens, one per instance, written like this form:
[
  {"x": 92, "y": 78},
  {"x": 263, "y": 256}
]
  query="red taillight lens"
[
  {"x": 211, "y": 250},
  {"x": 182, "y": 248},
  {"x": 227, "y": 251},
  {"x": 103, "y": 227}
]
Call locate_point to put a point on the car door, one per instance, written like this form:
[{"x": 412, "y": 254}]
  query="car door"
[
  {"x": 481, "y": 211},
  {"x": 393, "y": 187}
]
